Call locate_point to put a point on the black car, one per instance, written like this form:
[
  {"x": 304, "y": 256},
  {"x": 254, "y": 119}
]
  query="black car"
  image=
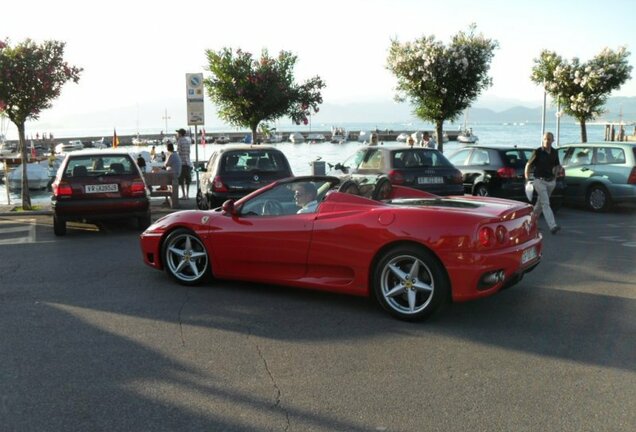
[
  {"x": 234, "y": 171},
  {"x": 94, "y": 186},
  {"x": 498, "y": 171},
  {"x": 417, "y": 167}
]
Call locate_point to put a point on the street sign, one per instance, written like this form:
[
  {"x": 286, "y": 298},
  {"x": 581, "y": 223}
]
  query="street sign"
[{"x": 194, "y": 98}]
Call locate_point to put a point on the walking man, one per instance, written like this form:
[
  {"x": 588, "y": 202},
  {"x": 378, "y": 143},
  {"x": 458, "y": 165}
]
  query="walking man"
[
  {"x": 545, "y": 164},
  {"x": 183, "y": 148}
]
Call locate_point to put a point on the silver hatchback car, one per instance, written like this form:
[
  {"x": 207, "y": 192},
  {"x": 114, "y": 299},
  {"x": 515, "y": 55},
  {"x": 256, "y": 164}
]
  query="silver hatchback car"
[{"x": 599, "y": 175}]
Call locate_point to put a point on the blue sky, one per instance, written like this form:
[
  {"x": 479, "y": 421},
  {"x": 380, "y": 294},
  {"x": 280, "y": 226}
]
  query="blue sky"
[{"x": 136, "y": 53}]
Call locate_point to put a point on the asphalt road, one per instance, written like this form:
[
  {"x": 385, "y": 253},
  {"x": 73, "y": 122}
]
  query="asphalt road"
[{"x": 93, "y": 340}]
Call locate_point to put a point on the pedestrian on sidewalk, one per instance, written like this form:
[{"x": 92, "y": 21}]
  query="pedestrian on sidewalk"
[
  {"x": 183, "y": 148},
  {"x": 545, "y": 165}
]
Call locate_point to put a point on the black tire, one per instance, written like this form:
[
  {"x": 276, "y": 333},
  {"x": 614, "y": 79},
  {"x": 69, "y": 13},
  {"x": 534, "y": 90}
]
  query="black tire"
[
  {"x": 185, "y": 258},
  {"x": 598, "y": 198},
  {"x": 382, "y": 189},
  {"x": 144, "y": 221},
  {"x": 480, "y": 189},
  {"x": 350, "y": 187},
  {"x": 202, "y": 201},
  {"x": 59, "y": 226},
  {"x": 407, "y": 296}
]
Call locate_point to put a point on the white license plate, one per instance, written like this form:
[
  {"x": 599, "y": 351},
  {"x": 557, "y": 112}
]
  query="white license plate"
[
  {"x": 528, "y": 255},
  {"x": 102, "y": 188},
  {"x": 430, "y": 180}
]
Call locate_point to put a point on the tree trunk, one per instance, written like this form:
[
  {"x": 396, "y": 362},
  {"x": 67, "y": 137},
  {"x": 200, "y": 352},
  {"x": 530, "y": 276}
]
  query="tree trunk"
[
  {"x": 26, "y": 198},
  {"x": 254, "y": 133},
  {"x": 583, "y": 131},
  {"x": 439, "y": 131}
]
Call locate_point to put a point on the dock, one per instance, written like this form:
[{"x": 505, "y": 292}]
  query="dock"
[{"x": 237, "y": 137}]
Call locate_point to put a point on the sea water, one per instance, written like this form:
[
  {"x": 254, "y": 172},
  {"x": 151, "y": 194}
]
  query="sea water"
[{"x": 301, "y": 156}]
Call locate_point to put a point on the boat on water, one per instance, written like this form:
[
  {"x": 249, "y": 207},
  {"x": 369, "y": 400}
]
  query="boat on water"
[
  {"x": 137, "y": 141},
  {"x": 273, "y": 138},
  {"x": 222, "y": 139},
  {"x": 364, "y": 136},
  {"x": 70, "y": 146},
  {"x": 466, "y": 136},
  {"x": 403, "y": 137},
  {"x": 339, "y": 135},
  {"x": 296, "y": 137},
  {"x": 315, "y": 138},
  {"x": 39, "y": 176}
]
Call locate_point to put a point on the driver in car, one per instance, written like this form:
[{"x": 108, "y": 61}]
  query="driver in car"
[{"x": 305, "y": 197}]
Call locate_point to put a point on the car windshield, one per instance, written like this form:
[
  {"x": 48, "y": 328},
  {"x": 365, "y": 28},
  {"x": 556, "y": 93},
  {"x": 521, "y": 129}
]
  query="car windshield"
[
  {"x": 419, "y": 158},
  {"x": 99, "y": 165},
  {"x": 288, "y": 198},
  {"x": 257, "y": 159}
]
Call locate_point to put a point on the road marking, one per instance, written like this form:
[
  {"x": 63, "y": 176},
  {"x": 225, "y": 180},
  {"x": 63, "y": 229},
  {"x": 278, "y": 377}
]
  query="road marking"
[{"x": 8, "y": 231}]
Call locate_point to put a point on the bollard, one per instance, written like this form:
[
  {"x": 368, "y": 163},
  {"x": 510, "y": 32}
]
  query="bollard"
[{"x": 318, "y": 168}]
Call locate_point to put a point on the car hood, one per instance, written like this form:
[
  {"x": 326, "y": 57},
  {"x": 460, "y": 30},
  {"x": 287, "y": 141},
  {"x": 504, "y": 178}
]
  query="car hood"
[{"x": 186, "y": 218}]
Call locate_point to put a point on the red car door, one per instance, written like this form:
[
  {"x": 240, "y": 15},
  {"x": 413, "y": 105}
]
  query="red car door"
[{"x": 263, "y": 248}]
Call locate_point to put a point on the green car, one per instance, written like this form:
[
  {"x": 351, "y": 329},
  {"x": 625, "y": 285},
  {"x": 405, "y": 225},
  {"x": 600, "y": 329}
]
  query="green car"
[{"x": 599, "y": 175}]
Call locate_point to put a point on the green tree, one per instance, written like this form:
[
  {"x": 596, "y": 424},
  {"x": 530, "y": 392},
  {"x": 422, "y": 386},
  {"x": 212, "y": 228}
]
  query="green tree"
[
  {"x": 248, "y": 91},
  {"x": 441, "y": 81},
  {"x": 31, "y": 76},
  {"x": 582, "y": 88}
]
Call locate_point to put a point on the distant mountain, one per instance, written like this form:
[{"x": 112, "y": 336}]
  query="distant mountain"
[
  {"x": 391, "y": 112},
  {"x": 151, "y": 116}
]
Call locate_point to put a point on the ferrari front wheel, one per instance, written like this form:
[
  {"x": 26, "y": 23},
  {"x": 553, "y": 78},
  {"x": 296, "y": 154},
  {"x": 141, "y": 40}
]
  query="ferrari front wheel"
[
  {"x": 185, "y": 257},
  {"x": 410, "y": 283}
]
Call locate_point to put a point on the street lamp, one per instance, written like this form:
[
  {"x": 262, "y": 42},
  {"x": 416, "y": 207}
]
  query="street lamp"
[
  {"x": 543, "y": 112},
  {"x": 166, "y": 118},
  {"x": 559, "y": 113}
]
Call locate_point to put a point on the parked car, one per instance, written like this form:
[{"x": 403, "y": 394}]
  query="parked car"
[
  {"x": 498, "y": 171},
  {"x": 234, "y": 171},
  {"x": 412, "y": 252},
  {"x": 417, "y": 167},
  {"x": 599, "y": 175},
  {"x": 94, "y": 186}
]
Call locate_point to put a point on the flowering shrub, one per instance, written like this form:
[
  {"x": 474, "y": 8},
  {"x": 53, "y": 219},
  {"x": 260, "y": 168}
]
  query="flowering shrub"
[
  {"x": 582, "y": 88},
  {"x": 441, "y": 81},
  {"x": 248, "y": 91},
  {"x": 31, "y": 76}
]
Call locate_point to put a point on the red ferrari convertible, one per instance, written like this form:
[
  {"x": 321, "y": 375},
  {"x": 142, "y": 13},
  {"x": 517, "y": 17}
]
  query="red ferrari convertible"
[{"x": 410, "y": 250}]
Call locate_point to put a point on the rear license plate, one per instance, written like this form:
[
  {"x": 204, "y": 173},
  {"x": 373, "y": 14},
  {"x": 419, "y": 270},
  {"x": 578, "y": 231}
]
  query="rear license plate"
[
  {"x": 430, "y": 180},
  {"x": 102, "y": 188},
  {"x": 528, "y": 255}
]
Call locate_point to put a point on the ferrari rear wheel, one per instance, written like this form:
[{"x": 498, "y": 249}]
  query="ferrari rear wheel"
[
  {"x": 185, "y": 257},
  {"x": 410, "y": 283}
]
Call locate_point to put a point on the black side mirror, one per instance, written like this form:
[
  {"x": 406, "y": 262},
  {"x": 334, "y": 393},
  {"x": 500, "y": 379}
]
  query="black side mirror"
[{"x": 228, "y": 208}]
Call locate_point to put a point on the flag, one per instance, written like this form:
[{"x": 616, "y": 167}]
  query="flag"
[
  {"x": 203, "y": 136},
  {"x": 115, "y": 139}
]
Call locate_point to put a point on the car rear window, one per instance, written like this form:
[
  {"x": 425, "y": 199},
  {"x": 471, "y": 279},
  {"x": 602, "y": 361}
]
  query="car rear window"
[
  {"x": 419, "y": 158},
  {"x": 514, "y": 158},
  {"x": 247, "y": 160},
  {"x": 93, "y": 166}
]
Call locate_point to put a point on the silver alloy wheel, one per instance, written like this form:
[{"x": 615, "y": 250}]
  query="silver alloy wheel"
[
  {"x": 407, "y": 284},
  {"x": 186, "y": 258},
  {"x": 481, "y": 190},
  {"x": 597, "y": 199}
]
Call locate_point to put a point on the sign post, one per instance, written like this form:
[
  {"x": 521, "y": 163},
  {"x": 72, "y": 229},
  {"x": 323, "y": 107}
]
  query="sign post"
[{"x": 196, "y": 116}]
